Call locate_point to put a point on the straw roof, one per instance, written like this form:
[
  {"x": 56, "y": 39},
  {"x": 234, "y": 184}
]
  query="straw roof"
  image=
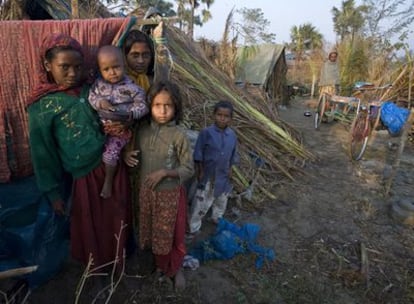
[{"x": 50, "y": 9}]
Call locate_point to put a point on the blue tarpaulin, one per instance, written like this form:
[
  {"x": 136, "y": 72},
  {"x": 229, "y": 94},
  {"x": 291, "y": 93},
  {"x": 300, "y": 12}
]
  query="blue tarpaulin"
[{"x": 30, "y": 232}]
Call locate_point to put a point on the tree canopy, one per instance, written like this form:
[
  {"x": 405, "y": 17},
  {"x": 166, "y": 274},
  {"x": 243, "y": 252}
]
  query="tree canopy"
[
  {"x": 253, "y": 27},
  {"x": 304, "y": 37}
]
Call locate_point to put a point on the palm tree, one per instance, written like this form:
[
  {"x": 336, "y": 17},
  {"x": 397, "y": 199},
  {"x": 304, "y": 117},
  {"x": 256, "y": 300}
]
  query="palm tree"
[
  {"x": 304, "y": 37},
  {"x": 189, "y": 16},
  {"x": 348, "y": 20}
]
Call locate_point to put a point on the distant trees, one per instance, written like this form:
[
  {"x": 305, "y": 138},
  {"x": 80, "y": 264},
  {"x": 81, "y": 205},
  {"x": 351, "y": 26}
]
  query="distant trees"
[
  {"x": 388, "y": 18},
  {"x": 253, "y": 27},
  {"x": 165, "y": 7},
  {"x": 189, "y": 12},
  {"x": 379, "y": 20},
  {"x": 349, "y": 19},
  {"x": 186, "y": 11},
  {"x": 370, "y": 33},
  {"x": 304, "y": 37}
]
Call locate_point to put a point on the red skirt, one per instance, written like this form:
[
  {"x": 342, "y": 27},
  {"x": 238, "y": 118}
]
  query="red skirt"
[
  {"x": 162, "y": 221},
  {"x": 99, "y": 226}
]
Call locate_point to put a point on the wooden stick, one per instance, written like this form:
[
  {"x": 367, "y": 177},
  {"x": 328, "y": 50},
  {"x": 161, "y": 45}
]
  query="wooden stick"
[
  {"x": 365, "y": 264},
  {"x": 75, "y": 9},
  {"x": 157, "y": 20},
  {"x": 17, "y": 272},
  {"x": 410, "y": 82},
  {"x": 395, "y": 166}
]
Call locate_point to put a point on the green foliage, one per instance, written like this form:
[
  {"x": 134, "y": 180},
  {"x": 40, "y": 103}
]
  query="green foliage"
[
  {"x": 387, "y": 18},
  {"x": 354, "y": 61},
  {"x": 304, "y": 37},
  {"x": 366, "y": 52},
  {"x": 254, "y": 27},
  {"x": 349, "y": 20},
  {"x": 187, "y": 11},
  {"x": 164, "y": 7}
]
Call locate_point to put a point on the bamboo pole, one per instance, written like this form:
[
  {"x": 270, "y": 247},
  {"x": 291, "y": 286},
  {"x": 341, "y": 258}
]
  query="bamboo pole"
[
  {"x": 75, "y": 9},
  {"x": 395, "y": 166},
  {"x": 410, "y": 82},
  {"x": 17, "y": 272}
]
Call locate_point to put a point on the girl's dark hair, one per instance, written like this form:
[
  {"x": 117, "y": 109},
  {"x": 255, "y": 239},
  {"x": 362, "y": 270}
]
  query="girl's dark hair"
[
  {"x": 51, "y": 53},
  {"x": 224, "y": 104},
  {"x": 173, "y": 90},
  {"x": 136, "y": 36}
]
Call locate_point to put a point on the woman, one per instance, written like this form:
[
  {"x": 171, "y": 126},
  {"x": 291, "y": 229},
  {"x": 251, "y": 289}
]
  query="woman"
[
  {"x": 139, "y": 54},
  {"x": 65, "y": 137},
  {"x": 329, "y": 80}
]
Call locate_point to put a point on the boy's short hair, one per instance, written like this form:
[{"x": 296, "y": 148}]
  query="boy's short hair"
[{"x": 224, "y": 104}]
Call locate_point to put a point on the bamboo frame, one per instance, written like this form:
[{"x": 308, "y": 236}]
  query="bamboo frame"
[{"x": 17, "y": 272}]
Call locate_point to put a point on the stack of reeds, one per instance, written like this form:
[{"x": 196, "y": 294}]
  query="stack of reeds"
[
  {"x": 267, "y": 144},
  {"x": 402, "y": 87}
]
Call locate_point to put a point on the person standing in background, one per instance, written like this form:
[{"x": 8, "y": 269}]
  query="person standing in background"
[{"x": 329, "y": 79}]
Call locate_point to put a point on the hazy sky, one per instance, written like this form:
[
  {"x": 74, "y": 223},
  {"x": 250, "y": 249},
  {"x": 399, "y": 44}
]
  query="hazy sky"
[{"x": 281, "y": 14}]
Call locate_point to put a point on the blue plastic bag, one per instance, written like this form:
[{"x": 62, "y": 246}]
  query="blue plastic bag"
[
  {"x": 229, "y": 240},
  {"x": 393, "y": 117}
]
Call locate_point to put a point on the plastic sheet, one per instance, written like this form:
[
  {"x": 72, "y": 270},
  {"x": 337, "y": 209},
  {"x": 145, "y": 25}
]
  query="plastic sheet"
[
  {"x": 393, "y": 117},
  {"x": 30, "y": 232},
  {"x": 229, "y": 240}
]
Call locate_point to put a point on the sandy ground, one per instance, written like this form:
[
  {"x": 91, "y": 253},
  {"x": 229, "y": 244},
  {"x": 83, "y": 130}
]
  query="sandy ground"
[{"x": 331, "y": 230}]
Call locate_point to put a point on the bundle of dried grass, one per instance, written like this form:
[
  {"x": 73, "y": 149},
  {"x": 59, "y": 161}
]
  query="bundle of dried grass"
[
  {"x": 262, "y": 135},
  {"x": 402, "y": 81},
  {"x": 12, "y": 9}
]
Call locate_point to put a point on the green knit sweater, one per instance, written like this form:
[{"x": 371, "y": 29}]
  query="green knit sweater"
[{"x": 64, "y": 136}]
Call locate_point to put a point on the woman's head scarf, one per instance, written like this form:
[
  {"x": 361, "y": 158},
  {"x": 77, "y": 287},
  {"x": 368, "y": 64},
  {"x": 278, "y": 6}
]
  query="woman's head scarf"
[{"x": 44, "y": 84}]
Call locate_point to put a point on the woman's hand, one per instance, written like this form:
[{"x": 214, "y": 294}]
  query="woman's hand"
[
  {"x": 131, "y": 158},
  {"x": 58, "y": 207},
  {"x": 152, "y": 180}
]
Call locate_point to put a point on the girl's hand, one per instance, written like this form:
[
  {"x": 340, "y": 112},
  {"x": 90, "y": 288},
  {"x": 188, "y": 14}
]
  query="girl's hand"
[
  {"x": 230, "y": 173},
  {"x": 130, "y": 158},
  {"x": 199, "y": 172},
  {"x": 152, "y": 180},
  {"x": 58, "y": 207}
]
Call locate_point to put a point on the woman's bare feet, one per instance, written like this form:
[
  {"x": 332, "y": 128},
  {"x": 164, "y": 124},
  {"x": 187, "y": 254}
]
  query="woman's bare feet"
[{"x": 179, "y": 280}]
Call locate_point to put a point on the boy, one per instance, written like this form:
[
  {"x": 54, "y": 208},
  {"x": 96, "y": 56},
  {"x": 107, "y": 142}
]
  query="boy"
[
  {"x": 118, "y": 100},
  {"x": 214, "y": 155}
]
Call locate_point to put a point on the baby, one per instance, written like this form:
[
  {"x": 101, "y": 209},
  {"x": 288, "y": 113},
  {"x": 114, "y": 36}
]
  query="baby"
[{"x": 118, "y": 101}]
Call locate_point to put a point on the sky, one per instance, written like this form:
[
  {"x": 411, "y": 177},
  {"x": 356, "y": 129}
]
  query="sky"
[{"x": 282, "y": 15}]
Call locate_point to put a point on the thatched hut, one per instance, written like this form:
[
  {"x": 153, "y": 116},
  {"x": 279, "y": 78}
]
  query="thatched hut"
[
  {"x": 51, "y": 9},
  {"x": 263, "y": 71}
]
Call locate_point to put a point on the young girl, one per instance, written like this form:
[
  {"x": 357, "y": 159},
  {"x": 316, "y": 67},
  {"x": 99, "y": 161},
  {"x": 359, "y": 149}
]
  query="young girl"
[
  {"x": 165, "y": 165},
  {"x": 65, "y": 137}
]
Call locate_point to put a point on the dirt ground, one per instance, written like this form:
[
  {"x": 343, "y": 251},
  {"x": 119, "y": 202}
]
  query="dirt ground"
[{"x": 331, "y": 229}]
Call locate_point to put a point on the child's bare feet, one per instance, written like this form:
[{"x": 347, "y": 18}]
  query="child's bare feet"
[
  {"x": 179, "y": 280},
  {"x": 106, "y": 191}
]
